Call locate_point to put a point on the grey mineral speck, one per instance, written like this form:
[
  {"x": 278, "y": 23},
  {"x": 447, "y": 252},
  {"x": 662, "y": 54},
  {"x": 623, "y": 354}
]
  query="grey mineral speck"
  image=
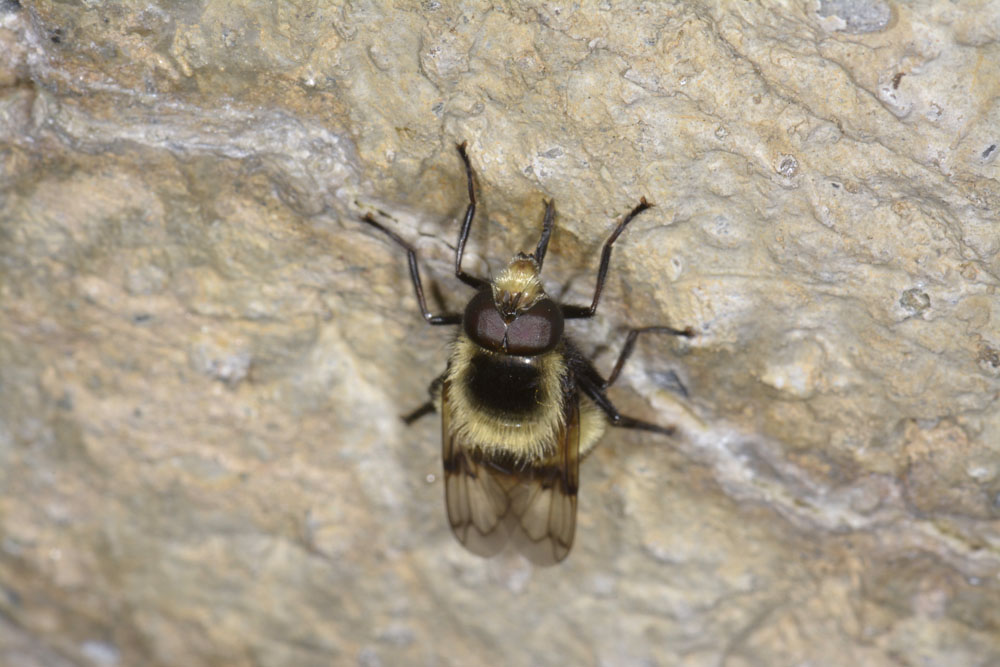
[
  {"x": 204, "y": 354},
  {"x": 788, "y": 166},
  {"x": 915, "y": 300},
  {"x": 859, "y": 16}
]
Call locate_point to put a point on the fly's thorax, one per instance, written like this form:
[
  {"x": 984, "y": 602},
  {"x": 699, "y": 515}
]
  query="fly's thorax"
[
  {"x": 506, "y": 403},
  {"x": 517, "y": 288}
]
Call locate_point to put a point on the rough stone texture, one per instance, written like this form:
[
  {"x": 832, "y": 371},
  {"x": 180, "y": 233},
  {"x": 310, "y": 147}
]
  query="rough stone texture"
[{"x": 203, "y": 353}]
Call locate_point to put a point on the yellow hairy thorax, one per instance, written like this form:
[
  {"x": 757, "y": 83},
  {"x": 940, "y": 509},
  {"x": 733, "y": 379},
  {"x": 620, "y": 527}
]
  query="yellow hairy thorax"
[
  {"x": 517, "y": 287},
  {"x": 530, "y": 436},
  {"x": 526, "y": 437}
]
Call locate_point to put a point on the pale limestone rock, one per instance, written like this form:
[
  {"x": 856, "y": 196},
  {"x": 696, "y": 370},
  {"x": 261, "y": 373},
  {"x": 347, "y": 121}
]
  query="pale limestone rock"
[{"x": 203, "y": 353}]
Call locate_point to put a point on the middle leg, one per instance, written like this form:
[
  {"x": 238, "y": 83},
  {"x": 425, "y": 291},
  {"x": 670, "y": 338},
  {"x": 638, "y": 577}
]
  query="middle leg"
[
  {"x": 633, "y": 334},
  {"x": 418, "y": 287}
]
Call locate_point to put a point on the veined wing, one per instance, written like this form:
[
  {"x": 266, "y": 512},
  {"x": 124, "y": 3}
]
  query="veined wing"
[{"x": 533, "y": 504}]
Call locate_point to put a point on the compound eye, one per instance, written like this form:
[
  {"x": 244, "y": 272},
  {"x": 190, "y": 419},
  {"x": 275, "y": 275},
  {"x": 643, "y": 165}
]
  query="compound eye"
[
  {"x": 483, "y": 322},
  {"x": 536, "y": 330}
]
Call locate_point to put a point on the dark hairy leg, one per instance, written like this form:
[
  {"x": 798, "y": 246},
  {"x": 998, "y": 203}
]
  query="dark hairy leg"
[
  {"x": 633, "y": 334},
  {"x": 615, "y": 418},
  {"x": 582, "y": 312},
  {"x": 411, "y": 256},
  {"x": 428, "y": 407},
  {"x": 463, "y": 233}
]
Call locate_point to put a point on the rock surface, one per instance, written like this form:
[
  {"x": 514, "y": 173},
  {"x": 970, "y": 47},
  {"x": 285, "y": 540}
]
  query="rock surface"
[{"x": 203, "y": 353}]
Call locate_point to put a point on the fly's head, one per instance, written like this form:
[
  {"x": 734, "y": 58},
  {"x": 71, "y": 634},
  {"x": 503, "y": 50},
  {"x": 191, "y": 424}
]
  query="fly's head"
[{"x": 514, "y": 315}]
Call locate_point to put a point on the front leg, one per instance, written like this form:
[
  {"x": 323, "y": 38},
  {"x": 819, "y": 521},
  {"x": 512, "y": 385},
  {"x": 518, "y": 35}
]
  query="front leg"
[
  {"x": 463, "y": 234},
  {"x": 583, "y": 312}
]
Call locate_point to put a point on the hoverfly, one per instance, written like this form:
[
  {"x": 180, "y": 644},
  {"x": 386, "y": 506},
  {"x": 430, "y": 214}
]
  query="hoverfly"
[{"x": 519, "y": 404}]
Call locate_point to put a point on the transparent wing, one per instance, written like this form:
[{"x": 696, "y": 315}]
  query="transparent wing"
[
  {"x": 533, "y": 504},
  {"x": 477, "y": 503},
  {"x": 543, "y": 504}
]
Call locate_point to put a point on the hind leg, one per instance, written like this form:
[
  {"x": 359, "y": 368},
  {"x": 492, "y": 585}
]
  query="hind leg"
[{"x": 430, "y": 406}]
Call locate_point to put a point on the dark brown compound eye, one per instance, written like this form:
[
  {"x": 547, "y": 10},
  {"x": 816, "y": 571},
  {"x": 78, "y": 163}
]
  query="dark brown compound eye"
[
  {"x": 483, "y": 323},
  {"x": 536, "y": 330}
]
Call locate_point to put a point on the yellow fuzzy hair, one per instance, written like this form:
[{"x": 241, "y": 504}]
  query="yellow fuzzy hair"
[
  {"x": 528, "y": 439},
  {"x": 519, "y": 283}
]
